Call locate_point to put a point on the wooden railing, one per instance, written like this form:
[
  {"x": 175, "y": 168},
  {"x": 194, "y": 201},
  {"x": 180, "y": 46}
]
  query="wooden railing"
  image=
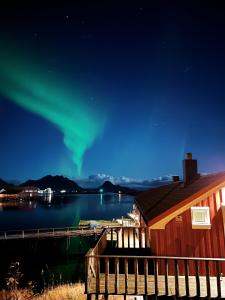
[
  {"x": 122, "y": 237},
  {"x": 154, "y": 275},
  {"x": 49, "y": 232}
]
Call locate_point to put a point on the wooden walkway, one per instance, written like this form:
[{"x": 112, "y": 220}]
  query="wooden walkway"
[
  {"x": 49, "y": 233},
  {"x": 128, "y": 286}
]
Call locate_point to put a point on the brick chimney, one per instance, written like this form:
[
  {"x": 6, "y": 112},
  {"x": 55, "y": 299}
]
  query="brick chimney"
[
  {"x": 175, "y": 178},
  {"x": 190, "y": 169}
]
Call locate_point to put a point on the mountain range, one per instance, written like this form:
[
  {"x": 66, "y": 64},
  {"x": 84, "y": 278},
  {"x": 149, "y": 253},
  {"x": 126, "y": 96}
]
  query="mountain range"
[
  {"x": 58, "y": 183},
  {"x": 92, "y": 184}
]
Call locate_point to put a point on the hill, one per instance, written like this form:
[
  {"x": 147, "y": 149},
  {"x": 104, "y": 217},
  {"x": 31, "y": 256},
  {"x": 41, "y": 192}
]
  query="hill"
[{"x": 57, "y": 183}]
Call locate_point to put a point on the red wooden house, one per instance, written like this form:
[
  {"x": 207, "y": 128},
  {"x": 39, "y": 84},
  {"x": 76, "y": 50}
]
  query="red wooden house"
[
  {"x": 179, "y": 248},
  {"x": 186, "y": 218}
]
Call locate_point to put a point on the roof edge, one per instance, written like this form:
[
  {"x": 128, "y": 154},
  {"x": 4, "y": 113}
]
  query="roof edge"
[{"x": 160, "y": 221}]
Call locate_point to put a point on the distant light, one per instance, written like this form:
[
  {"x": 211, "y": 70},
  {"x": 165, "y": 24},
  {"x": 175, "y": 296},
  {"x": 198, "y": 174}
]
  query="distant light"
[
  {"x": 101, "y": 191},
  {"x": 63, "y": 191}
]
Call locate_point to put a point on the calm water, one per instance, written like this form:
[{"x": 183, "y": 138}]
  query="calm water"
[
  {"x": 60, "y": 259},
  {"x": 64, "y": 211}
]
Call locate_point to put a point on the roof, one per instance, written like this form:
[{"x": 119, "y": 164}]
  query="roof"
[{"x": 156, "y": 201}]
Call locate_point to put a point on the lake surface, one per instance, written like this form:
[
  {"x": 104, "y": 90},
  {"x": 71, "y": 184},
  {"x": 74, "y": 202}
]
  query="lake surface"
[
  {"x": 64, "y": 211},
  {"x": 55, "y": 259}
]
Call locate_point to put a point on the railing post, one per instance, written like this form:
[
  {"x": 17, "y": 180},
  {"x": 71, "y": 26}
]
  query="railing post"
[
  {"x": 146, "y": 275},
  {"x": 87, "y": 275},
  {"x": 207, "y": 279},
  {"x": 116, "y": 275},
  {"x": 155, "y": 265},
  {"x": 186, "y": 269},
  {"x": 176, "y": 267},
  {"x": 122, "y": 237},
  {"x": 128, "y": 237},
  {"x": 146, "y": 237},
  {"x": 136, "y": 276},
  {"x": 106, "y": 277},
  {"x": 126, "y": 274},
  {"x": 218, "y": 279},
  {"x": 117, "y": 238},
  {"x": 111, "y": 237},
  {"x": 197, "y": 278},
  {"x": 134, "y": 237},
  {"x": 97, "y": 271},
  {"x": 140, "y": 237},
  {"x": 166, "y": 278}
]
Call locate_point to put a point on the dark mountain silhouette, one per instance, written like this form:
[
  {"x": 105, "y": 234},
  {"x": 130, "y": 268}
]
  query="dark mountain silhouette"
[
  {"x": 57, "y": 183},
  {"x": 9, "y": 188},
  {"x": 109, "y": 187},
  {"x": 4, "y": 184}
]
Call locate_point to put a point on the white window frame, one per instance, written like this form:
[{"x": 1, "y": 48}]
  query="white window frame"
[{"x": 200, "y": 224}]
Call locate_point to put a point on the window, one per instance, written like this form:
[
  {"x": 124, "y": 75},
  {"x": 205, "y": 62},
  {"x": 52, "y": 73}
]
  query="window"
[{"x": 200, "y": 217}]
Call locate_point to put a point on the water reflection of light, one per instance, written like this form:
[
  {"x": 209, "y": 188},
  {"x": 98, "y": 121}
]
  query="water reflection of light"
[
  {"x": 48, "y": 198},
  {"x": 120, "y": 196},
  {"x": 101, "y": 198}
]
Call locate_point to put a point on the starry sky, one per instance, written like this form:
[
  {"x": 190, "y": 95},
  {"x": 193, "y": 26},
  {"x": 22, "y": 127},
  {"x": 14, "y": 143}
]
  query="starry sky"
[{"x": 91, "y": 87}]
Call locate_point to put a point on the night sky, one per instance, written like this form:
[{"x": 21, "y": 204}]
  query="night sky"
[{"x": 111, "y": 87}]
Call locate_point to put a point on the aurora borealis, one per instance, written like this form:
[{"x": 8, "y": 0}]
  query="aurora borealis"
[
  {"x": 90, "y": 88},
  {"x": 51, "y": 97}
]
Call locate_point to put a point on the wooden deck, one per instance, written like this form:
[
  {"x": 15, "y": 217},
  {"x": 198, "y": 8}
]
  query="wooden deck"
[
  {"x": 128, "y": 286},
  {"x": 49, "y": 233},
  {"x": 111, "y": 269}
]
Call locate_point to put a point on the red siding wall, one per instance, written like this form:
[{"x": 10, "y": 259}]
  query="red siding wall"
[{"x": 179, "y": 239}]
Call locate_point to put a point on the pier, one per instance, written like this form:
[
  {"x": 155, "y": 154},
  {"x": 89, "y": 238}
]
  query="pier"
[{"x": 49, "y": 233}]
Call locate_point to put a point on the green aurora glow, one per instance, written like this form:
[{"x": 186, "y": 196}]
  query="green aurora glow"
[{"x": 53, "y": 98}]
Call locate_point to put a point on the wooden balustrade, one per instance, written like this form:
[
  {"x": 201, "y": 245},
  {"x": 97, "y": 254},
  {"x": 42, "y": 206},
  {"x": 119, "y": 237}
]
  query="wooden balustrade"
[
  {"x": 155, "y": 275},
  {"x": 127, "y": 237}
]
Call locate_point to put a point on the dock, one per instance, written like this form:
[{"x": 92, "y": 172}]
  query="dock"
[
  {"x": 49, "y": 233},
  {"x": 124, "y": 222}
]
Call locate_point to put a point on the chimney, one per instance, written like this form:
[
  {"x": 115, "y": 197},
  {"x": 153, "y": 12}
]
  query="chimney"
[
  {"x": 190, "y": 169},
  {"x": 175, "y": 178}
]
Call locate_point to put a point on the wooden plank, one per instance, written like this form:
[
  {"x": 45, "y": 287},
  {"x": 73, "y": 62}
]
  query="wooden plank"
[
  {"x": 161, "y": 285},
  {"x": 218, "y": 279},
  {"x": 111, "y": 237},
  {"x": 128, "y": 237},
  {"x": 134, "y": 237},
  {"x": 122, "y": 237},
  {"x": 207, "y": 280},
  {"x": 126, "y": 274},
  {"x": 136, "y": 275},
  {"x": 106, "y": 275},
  {"x": 155, "y": 266},
  {"x": 166, "y": 277},
  {"x": 146, "y": 275},
  {"x": 176, "y": 268},
  {"x": 146, "y": 237},
  {"x": 140, "y": 237},
  {"x": 87, "y": 274},
  {"x": 117, "y": 239},
  {"x": 186, "y": 270},
  {"x": 116, "y": 275},
  {"x": 197, "y": 278},
  {"x": 97, "y": 271}
]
